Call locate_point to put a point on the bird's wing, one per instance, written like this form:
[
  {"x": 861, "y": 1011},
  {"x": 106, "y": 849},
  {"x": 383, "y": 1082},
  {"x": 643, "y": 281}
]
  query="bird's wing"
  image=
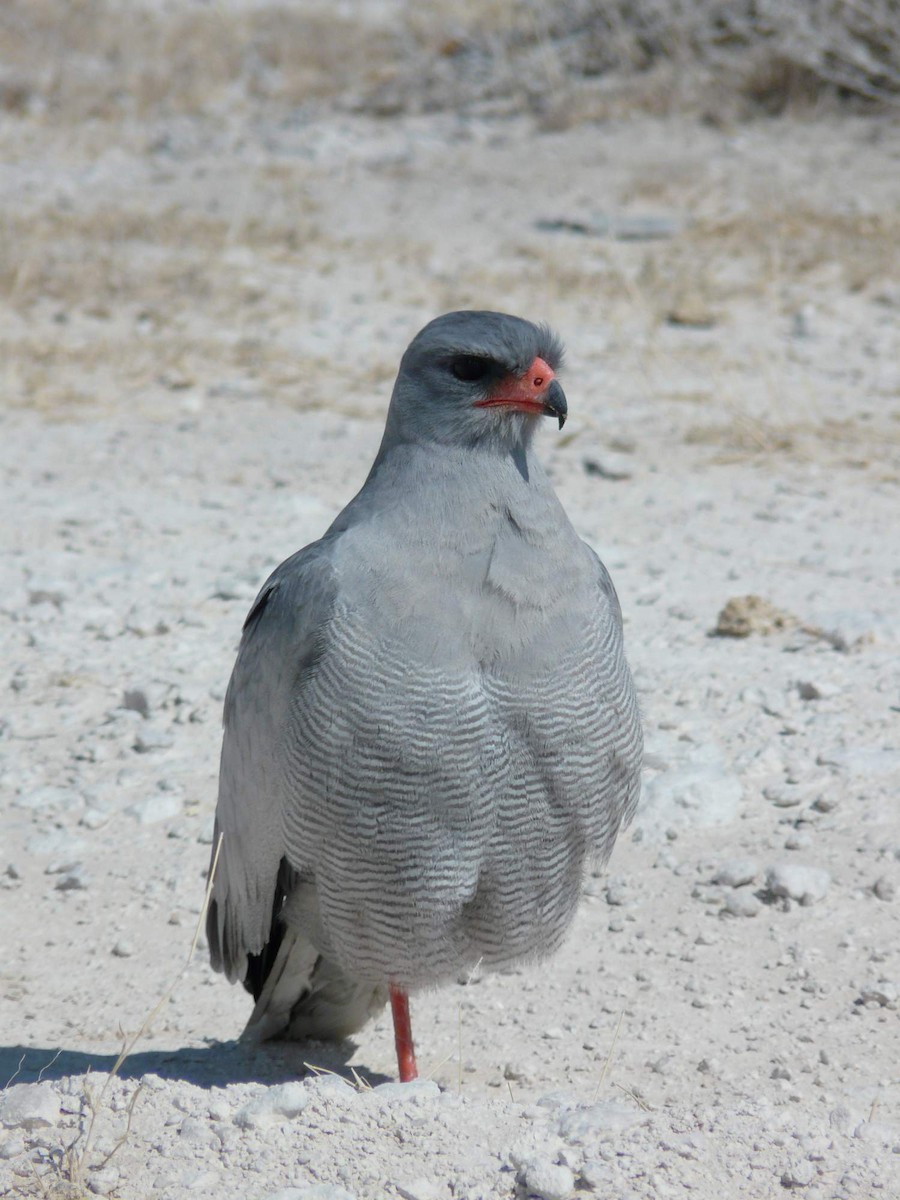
[
  {"x": 283, "y": 637},
  {"x": 627, "y": 748}
]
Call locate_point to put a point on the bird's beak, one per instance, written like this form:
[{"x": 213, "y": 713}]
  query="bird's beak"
[
  {"x": 555, "y": 403},
  {"x": 536, "y": 392}
]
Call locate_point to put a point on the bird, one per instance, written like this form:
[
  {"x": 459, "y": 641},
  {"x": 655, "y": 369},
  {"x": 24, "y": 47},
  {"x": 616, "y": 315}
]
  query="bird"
[{"x": 431, "y": 732}]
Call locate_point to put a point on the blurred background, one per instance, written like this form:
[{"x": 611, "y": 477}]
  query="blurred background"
[{"x": 245, "y": 197}]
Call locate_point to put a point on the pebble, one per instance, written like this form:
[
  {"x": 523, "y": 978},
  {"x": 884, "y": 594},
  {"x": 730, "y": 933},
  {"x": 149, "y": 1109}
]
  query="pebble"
[
  {"x": 150, "y": 739},
  {"x": 798, "y": 1174},
  {"x": 104, "y": 1180},
  {"x": 803, "y": 884},
  {"x": 865, "y": 761},
  {"x": 74, "y": 880},
  {"x": 884, "y": 993},
  {"x": 809, "y": 690},
  {"x": 94, "y": 818},
  {"x": 545, "y": 1180},
  {"x": 885, "y": 889},
  {"x": 29, "y": 1106},
  {"x": 12, "y": 1146},
  {"x": 285, "y": 1100},
  {"x": 161, "y": 807},
  {"x": 123, "y": 949},
  {"x": 198, "y": 1133},
  {"x": 418, "y": 1189},
  {"x": 136, "y": 700},
  {"x": 742, "y": 904},
  {"x": 736, "y": 872},
  {"x": 580, "y": 1125}
]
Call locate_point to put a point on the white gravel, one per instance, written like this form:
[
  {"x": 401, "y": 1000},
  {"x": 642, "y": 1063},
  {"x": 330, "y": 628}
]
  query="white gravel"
[{"x": 207, "y": 348}]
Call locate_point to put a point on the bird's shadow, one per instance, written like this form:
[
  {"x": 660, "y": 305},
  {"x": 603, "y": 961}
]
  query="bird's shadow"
[{"x": 213, "y": 1065}]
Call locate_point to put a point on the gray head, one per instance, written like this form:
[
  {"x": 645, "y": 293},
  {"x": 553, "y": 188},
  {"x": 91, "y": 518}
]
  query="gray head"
[{"x": 477, "y": 377}]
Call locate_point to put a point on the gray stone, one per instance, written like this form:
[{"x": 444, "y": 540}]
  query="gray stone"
[
  {"x": 798, "y": 1174},
  {"x": 883, "y": 992},
  {"x": 159, "y": 807},
  {"x": 150, "y": 739},
  {"x": 12, "y": 1146},
  {"x": 29, "y": 1106},
  {"x": 885, "y": 889},
  {"x": 418, "y": 1189},
  {"x": 545, "y": 1180},
  {"x": 741, "y": 904},
  {"x": 279, "y": 1103},
  {"x": 804, "y": 884},
  {"x": 580, "y": 1125},
  {"x": 868, "y": 762},
  {"x": 736, "y": 872}
]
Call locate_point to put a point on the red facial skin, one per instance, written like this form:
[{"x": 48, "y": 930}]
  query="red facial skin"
[{"x": 523, "y": 393}]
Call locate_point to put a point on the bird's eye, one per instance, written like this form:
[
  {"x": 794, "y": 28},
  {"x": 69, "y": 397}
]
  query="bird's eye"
[{"x": 469, "y": 369}]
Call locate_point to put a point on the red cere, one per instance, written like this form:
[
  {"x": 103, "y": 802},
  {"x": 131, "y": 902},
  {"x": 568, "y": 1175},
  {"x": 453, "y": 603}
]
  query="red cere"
[{"x": 522, "y": 392}]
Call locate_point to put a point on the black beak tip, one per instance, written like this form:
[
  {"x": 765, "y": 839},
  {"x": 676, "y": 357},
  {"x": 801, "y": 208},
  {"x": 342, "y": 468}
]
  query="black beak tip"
[{"x": 555, "y": 403}]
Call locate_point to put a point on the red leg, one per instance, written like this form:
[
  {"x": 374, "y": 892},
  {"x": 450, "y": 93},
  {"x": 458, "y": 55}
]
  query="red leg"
[{"x": 403, "y": 1039}]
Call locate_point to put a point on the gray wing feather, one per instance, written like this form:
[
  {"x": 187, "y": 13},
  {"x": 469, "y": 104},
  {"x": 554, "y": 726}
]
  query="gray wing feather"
[{"x": 282, "y": 640}]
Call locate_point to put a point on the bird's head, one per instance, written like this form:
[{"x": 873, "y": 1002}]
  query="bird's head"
[{"x": 471, "y": 377}]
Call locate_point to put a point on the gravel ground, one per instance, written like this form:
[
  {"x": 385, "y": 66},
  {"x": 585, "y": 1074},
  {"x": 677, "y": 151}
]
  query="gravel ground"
[{"x": 199, "y": 321}]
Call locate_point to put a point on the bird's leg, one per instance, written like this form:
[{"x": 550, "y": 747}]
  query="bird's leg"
[{"x": 403, "y": 1039}]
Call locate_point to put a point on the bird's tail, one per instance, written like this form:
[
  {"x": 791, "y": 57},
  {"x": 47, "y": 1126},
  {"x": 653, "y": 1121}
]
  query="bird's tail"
[{"x": 305, "y": 995}]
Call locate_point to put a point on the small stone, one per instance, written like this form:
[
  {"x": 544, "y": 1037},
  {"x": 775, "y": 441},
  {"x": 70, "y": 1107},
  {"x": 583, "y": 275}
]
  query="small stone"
[
  {"x": 94, "y": 818},
  {"x": 746, "y": 615},
  {"x": 123, "y": 949},
  {"x": 12, "y": 1146},
  {"x": 104, "y": 1180},
  {"x": 807, "y": 690},
  {"x": 798, "y": 840},
  {"x": 150, "y": 739},
  {"x": 741, "y": 904},
  {"x": 332, "y": 1088},
  {"x": 75, "y": 880},
  {"x": 798, "y": 1174},
  {"x": 784, "y": 797},
  {"x": 284, "y": 1101},
  {"x": 198, "y": 1133},
  {"x": 418, "y": 1189},
  {"x": 736, "y": 872},
  {"x": 825, "y": 804},
  {"x": 545, "y": 1180},
  {"x": 884, "y": 993},
  {"x": 29, "y": 1106},
  {"x": 160, "y": 807},
  {"x": 597, "y": 1175},
  {"x": 596, "y": 1121},
  {"x": 136, "y": 700},
  {"x": 806, "y": 885},
  {"x": 885, "y": 889}
]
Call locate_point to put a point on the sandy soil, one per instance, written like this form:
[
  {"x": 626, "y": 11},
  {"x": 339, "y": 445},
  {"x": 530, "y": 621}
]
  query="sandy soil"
[{"x": 199, "y": 321}]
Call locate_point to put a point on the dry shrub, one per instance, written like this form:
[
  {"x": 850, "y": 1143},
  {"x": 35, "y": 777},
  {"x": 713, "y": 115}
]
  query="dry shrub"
[{"x": 73, "y": 59}]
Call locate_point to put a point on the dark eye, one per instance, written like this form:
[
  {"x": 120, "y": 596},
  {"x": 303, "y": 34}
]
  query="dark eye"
[{"x": 469, "y": 369}]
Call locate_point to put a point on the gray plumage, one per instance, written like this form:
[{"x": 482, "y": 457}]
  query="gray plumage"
[{"x": 431, "y": 728}]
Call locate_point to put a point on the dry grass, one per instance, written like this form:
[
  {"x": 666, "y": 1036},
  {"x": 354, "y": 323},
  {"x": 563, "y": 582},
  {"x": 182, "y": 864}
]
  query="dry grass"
[{"x": 103, "y": 59}]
